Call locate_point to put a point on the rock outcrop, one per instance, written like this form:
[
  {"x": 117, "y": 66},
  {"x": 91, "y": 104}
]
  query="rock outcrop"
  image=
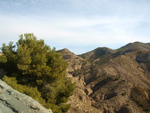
[{"x": 11, "y": 101}]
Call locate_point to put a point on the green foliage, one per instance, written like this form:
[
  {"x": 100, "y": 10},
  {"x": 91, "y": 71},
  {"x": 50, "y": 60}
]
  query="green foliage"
[
  {"x": 31, "y": 91},
  {"x": 37, "y": 70}
]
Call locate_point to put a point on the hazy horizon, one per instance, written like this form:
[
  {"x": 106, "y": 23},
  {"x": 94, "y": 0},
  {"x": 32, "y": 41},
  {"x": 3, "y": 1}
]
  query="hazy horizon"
[{"x": 79, "y": 25}]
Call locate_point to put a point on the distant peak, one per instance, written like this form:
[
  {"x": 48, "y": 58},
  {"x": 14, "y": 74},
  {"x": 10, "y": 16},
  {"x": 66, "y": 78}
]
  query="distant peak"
[
  {"x": 137, "y": 42},
  {"x": 64, "y": 50},
  {"x": 136, "y": 46},
  {"x": 102, "y": 48}
]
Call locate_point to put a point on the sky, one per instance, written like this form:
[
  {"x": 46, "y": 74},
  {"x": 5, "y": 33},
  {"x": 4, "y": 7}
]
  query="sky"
[{"x": 79, "y": 25}]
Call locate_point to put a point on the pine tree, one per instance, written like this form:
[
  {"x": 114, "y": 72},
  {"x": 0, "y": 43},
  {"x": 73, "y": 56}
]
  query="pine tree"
[{"x": 35, "y": 64}]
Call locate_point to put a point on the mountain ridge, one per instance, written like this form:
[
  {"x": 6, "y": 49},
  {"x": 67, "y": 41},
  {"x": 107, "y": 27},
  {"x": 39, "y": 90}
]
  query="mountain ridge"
[
  {"x": 136, "y": 46},
  {"x": 111, "y": 81}
]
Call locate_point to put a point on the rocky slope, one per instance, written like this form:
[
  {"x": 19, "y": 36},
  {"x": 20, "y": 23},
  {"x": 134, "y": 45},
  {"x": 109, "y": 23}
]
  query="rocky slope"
[
  {"x": 80, "y": 101},
  {"x": 11, "y": 101},
  {"x": 111, "y": 81}
]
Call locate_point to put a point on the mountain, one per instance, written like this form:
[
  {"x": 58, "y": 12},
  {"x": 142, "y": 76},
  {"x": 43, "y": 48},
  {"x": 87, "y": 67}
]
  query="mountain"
[
  {"x": 97, "y": 53},
  {"x": 11, "y": 101},
  {"x": 136, "y": 46},
  {"x": 75, "y": 62},
  {"x": 110, "y": 81}
]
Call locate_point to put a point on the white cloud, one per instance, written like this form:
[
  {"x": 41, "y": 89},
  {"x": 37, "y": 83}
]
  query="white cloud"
[{"x": 75, "y": 31}]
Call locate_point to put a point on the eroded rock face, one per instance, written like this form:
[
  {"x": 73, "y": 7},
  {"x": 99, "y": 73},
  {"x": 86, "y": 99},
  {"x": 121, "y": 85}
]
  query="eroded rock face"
[{"x": 11, "y": 101}]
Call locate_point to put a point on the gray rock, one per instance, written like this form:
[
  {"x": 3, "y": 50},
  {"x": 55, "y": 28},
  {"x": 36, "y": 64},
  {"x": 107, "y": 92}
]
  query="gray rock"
[{"x": 11, "y": 101}]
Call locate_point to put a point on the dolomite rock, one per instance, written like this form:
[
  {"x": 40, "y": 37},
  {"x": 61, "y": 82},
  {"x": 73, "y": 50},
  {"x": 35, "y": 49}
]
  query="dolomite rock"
[{"x": 11, "y": 101}]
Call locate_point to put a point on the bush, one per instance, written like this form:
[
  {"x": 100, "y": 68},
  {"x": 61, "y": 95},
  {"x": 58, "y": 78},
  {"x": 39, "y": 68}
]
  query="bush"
[{"x": 31, "y": 91}]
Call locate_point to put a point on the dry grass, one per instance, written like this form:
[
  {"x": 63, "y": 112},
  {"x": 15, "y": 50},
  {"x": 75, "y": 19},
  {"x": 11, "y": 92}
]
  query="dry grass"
[{"x": 1, "y": 54}]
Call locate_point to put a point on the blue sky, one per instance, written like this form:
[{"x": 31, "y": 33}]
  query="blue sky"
[{"x": 79, "y": 25}]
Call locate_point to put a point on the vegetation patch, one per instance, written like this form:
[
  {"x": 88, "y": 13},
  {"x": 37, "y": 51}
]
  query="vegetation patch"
[{"x": 35, "y": 69}]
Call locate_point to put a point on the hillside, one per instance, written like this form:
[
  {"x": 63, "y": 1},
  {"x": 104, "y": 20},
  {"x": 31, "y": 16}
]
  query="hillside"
[{"x": 111, "y": 81}]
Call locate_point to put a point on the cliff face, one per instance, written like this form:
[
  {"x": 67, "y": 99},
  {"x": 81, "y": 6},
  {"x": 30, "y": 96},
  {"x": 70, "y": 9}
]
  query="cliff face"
[
  {"x": 11, "y": 101},
  {"x": 111, "y": 81}
]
